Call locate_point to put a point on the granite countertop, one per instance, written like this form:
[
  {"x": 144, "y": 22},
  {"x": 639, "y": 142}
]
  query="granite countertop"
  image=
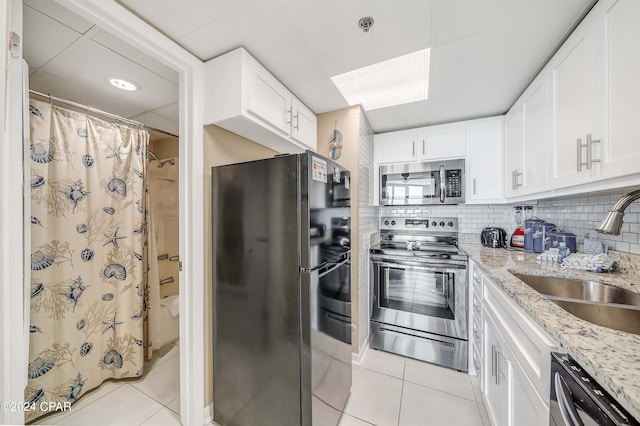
[{"x": 612, "y": 357}]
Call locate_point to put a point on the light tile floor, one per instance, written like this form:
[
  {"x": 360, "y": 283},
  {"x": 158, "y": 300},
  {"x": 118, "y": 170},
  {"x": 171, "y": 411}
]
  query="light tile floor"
[
  {"x": 392, "y": 390},
  {"x": 153, "y": 399},
  {"x": 387, "y": 390}
]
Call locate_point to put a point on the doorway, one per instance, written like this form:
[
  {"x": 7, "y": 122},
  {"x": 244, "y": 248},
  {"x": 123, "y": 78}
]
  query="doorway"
[{"x": 115, "y": 19}]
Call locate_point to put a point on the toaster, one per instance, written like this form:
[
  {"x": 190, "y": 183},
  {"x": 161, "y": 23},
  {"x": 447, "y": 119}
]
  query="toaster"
[{"x": 493, "y": 237}]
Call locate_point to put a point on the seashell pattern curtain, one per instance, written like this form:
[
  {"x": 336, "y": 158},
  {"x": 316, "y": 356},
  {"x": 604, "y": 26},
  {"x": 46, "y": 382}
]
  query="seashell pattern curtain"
[{"x": 88, "y": 263}]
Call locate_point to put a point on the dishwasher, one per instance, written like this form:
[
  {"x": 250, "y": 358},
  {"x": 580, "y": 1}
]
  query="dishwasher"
[{"x": 578, "y": 400}]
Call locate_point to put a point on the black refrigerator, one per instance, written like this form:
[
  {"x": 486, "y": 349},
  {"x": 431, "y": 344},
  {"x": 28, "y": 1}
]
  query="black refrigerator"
[{"x": 281, "y": 291}]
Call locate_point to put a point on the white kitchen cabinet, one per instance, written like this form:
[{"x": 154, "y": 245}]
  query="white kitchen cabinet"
[
  {"x": 497, "y": 368},
  {"x": 516, "y": 362},
  {"x": 514, "y": 151},
  {"x": 396, "y": 147},
  {"x": 527, "y": 137},
  {"x": 243, "y": 97},
  {"x": 536, "y": 107},
  {"x": 423, "y": 144},
  {"x": 304, "y": 125},
  {"x": 572, "y": 75},
  {"x": 617, "y": 67},
  {"x": 443, "y": 141},
  {"x": 484, "y": 161}
]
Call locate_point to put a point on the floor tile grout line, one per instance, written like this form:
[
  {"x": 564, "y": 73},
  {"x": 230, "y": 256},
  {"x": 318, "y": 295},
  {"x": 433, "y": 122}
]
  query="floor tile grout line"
[
  {"x": 380, "y": 372},
  {"x": 96, "y": 389},
  {"x": 154, "y": 413},
  {"x": 443, "y": 391},
  {"x": 146, "y": 394},
  {"x": 401, "y": 395}
]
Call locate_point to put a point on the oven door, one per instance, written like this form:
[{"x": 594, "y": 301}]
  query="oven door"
[{"x": 424, "y": 297}]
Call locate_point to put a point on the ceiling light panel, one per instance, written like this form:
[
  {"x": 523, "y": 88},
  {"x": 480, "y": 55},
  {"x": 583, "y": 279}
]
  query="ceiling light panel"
[{"x": 392, "y": 82}]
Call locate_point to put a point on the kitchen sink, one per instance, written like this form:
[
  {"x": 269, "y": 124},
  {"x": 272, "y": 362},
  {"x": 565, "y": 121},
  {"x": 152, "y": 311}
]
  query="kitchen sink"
[
  {"x": 598, "y": 303},
  {"x": 578, "y": 289},
  {"x": 623, "y": 318}
]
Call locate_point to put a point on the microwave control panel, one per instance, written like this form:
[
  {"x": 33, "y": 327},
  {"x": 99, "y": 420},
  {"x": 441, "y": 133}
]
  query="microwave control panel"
[{"x": 454, "y": 183}]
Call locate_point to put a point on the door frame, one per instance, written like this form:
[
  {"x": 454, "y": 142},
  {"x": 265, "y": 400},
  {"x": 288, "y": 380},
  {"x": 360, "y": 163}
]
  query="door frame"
[{"x": 119, "y": 21}]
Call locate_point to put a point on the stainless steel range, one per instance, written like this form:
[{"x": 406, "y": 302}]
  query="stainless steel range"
[{"x": 419, "y": 292}]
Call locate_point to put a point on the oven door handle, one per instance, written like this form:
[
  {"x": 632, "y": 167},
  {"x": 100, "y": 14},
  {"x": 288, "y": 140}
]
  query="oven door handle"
[
  {"x": 565, "y": 402},
  {"x": 332, "y": 266},
  {"x": 421, "y": 266}
]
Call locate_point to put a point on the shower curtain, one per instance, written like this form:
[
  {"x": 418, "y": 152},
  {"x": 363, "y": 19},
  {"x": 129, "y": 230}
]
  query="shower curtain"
[{"x": 88, "y": 260}]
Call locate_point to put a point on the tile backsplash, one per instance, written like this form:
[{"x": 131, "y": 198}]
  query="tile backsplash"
[{"x": 579, "y": 215}]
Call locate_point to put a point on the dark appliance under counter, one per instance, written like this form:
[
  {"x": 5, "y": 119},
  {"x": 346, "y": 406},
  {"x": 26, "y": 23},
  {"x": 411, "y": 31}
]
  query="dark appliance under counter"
[{"x": 578, "y": 400}]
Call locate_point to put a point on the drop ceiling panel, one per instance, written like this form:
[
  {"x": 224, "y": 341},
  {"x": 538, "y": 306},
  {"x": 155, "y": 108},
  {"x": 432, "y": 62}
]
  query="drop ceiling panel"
[
  {"x": 50, "y": 39},
  {"x": 458, "y": 19},
  {"x": 124, "y": 49},
  {"x": 170, "y": 111},
  {"x": 71, "y": 90},
  {"x": 179, "y": 19},
  {"x": 61, "y": 14},
  {"x": 320, "y": 95},
  {"x": 262, "y": 28},
  {"x": 330, "y": 30},
  {"x": 399, "y": 117},
  {"x": 159, "y": 122},
  {"x": 93, "y": 62}
]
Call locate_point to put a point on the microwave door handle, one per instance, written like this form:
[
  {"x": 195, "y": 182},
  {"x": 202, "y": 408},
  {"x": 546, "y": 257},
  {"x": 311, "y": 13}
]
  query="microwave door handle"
[
  {"x": 443, "y": 178},
  {"x": 565, "y": 402}
]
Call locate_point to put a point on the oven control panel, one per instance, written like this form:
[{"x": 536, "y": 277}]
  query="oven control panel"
[{"x": 435, "y": 224}]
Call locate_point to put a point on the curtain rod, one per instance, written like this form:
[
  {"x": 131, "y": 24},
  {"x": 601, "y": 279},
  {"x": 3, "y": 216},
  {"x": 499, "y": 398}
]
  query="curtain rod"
[{"x": 88, "y": 108}]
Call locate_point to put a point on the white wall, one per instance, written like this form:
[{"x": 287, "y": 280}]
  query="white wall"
[{"x": 368, "y": 224}]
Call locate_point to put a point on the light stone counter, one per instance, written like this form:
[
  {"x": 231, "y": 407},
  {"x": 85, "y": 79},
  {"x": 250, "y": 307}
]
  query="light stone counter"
[{"x": 612, "y": 357}]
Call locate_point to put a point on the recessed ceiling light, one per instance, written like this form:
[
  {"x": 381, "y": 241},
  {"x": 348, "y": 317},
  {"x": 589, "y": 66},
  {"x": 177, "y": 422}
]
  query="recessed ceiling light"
[
  {"x": 392, "y": 82},
  {"x": 122, "y": 83}
]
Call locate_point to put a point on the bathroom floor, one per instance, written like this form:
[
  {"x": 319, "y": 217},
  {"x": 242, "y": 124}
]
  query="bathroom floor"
[
  {"x": 386, "y": 390},
  {"x": 153, "y": 399}
]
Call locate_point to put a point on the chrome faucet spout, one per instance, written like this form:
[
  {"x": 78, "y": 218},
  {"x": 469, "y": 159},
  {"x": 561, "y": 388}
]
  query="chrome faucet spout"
[{"x": 612, "y": 222}]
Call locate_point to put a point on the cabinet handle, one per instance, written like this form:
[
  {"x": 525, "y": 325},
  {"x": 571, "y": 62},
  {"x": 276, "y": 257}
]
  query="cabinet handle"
[
  {"x": 424, "y": 148},
  {"x": 494, "y": 353},
  {"x": 515, "y": 181},
  {"x": 474, "y": 186},
  {"x": 590, "y": 143},
  {"x": 297, "y": 126},
  {"x": 579, "y": 154},
  {"x": 289, "y": 114},
  {"x": 413, "y": 149}
]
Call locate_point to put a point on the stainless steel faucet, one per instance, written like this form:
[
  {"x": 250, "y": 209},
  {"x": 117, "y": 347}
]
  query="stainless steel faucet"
[{"x": 612, "y": 222}]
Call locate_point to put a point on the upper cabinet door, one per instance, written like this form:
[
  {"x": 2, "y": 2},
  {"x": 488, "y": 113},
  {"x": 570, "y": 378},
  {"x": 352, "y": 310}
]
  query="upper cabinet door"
[
  {"x": 617, "y": 35},
  {"x": 484, "y": 161},
  {"x": 536, "y": 114},
  {"x": 514, "y": 151},
  {"x": 573, "y": 112},
  {"x": 267, "y": 99},
  {"x": 303, "y": 124},
  {"x": 395, "y": 147},
  {"x": 444, "y": 141}
]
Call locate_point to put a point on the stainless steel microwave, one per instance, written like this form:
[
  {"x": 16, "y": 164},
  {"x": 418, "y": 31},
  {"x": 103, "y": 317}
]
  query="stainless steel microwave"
[{"x": 432, "y": 182}]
